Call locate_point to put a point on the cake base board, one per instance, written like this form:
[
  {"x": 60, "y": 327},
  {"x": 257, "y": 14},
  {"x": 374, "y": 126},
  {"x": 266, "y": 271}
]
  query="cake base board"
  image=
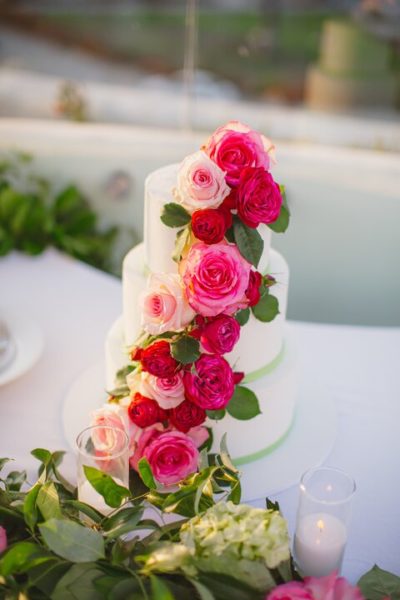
[{"x": 307, "y": 444}]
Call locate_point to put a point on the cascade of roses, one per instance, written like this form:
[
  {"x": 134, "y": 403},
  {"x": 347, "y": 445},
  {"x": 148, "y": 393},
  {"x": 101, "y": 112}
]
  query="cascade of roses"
[{"x": 170, "y": 392}]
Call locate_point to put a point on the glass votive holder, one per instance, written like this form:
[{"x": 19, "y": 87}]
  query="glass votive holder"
[
  {"x": 107, "y": 449},
  {"x": 323, "y": 516}
]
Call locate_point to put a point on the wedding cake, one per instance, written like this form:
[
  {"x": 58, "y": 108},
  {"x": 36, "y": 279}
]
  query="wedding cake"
[{"x": 201, "y": 348}]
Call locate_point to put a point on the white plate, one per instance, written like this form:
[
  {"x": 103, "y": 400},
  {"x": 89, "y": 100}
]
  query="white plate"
[
  {"x": 307, "y": 445},
  {"x": 29, "y": 342}
]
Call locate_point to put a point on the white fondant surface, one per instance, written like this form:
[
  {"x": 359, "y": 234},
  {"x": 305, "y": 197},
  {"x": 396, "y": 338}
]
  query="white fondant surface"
[{"x": 159, "y": 239}]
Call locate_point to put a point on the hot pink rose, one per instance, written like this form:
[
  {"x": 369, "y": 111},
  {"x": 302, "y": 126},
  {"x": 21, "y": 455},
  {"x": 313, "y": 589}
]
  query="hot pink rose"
[
  {"x": 164, "y": 305},
  {"x": 200, "y": 183},
  {"x": 235, "y": 146},
  {"x": 290, "y": 591},
  {"x": 211, "y": 383},
  {"x": 143, "y": 439},
  {"x": 332, "y": 587},
  {"x": 216, "y": 278},
  {"x": 3, "y": 539},
  {"x": 172, "y": 457},
  {"x": 168, "y": 391},
  {"x": 259, "y": 199},
  {"x": 220, "y": 334}
]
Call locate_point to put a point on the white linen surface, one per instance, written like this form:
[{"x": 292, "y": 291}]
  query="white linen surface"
[{"x": 75, "y": 305}]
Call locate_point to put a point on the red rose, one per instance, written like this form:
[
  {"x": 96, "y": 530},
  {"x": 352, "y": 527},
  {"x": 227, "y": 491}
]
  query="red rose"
[
  {"x": 157, "y": 360},
  {"x": 136, "y": 353},
  {"x": 238, "y": 377},
  {"x": 259, "y": 197},
  {"x": 210, "y": 385},
  {"x": 187, "y": 415},
  {"x": 253, "y": 289},
  {"x": 220, "y": 334},
  {"x": 145, "y": 411},
  {"x": 209, "y": 225}
]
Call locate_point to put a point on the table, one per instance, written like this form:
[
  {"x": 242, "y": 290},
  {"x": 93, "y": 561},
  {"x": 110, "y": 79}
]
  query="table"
[{"x": 75, "y": 304}]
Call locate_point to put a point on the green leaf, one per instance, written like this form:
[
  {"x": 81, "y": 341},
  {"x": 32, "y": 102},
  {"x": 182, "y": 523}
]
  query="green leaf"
[
  {"x": 123, "y": 521},
  {"x": 159, "y": 589},
  {"x": 216, "y": 415},
  {"x": 146, "y": 473},
  {"x": 48, "y": 502},
  {"x": 120, "y": 378},
  {"x": 244, "y": 404},
  {"x": 119, "y": 392},
  {"x": 236, "y": 493},
  {"x": 20, "y": 557},
  {"x": 29, "y": 508},
  {"x": 174, "y": 215},
  {"x": 377, "y": 584},
  {"x": 78, "y": 583},
  {"x": 249, "y": 241},
  {"x": 225, "y": 456},
  {"x": 186, "y": 349},
  {"x": 282, "y": 222},
  {"x": 267, "y": 308},
  {"x": 43, "y": 455},
  {"x": 242, "y": 316},
  {"x": 86, "y": 509},
  {"x": 15, "y": 480},
  {"x": 72, "y": 541},
  {"x": 106, "y": 486},
  {"x": 3, "y": 462},
  {"x": 182, "y": 239},
  {"x": 272, "y": 505},
  {"x": 203, "y": 592}
]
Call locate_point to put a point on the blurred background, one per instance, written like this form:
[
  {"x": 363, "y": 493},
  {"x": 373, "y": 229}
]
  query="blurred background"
[{"x": 100, "y": 92}]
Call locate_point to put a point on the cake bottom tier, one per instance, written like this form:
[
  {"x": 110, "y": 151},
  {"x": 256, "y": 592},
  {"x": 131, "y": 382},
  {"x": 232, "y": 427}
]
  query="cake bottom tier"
[{"x": 276, "y": 389}]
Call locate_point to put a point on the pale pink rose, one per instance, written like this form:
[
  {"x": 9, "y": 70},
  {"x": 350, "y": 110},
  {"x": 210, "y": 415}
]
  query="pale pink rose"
[
  {"x": 294, "y": 590},
  {"x": 200, "y": 183},
  {"x": 169, "y": 392},
  {"x": 216, "y": 278},
  {"x": 199, "y": 435},
  {"x": 3, "y": 539},
  {"x": 235, "y": 146},
  {"x": 164, "y": 305},
  {"x": 332, "y": 587},
  {"x": 172, "y": 457}
]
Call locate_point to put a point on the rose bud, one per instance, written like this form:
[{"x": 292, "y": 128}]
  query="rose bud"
[{"x": 135, "y": 353}]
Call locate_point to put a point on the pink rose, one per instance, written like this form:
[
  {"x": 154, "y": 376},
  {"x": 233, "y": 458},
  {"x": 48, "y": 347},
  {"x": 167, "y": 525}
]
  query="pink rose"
[
  {"x": 145, "y": 437},
  {"x": 220, "y": 334},
  {"x": 332, "y": 587},
  {"x": 164, "y": 305},
  {"x": 259, "y": 198},
  {"x": 211, "y": 384},
  {"x": 235, "y": 146},
  {"x": 168, "y": 391},
  {"x": 290, "y": 591},
  {"x": 3, "y": 539},
  {"x": 172, "y": 457},
  {"x": 111, "y": 415},
  {"x": 198, "y": 435},
  {"x": 216, "y": 278},
  {"x": 200, "y": 183}
]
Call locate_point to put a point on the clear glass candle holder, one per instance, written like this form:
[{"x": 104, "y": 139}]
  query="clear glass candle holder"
[
  {"x": 323, "y": 517},
  {"x": 107, "y": 449}
]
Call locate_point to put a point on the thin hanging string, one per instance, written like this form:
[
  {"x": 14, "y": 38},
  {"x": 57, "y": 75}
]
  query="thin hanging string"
[{"x": 189, "y": 63}]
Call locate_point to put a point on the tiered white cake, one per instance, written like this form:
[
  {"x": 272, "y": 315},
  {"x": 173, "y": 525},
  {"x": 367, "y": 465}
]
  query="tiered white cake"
[{"x": 264, "y": 351}]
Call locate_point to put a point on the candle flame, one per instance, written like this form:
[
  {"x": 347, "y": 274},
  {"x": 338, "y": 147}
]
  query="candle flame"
[{"x": 320, "y": 525}]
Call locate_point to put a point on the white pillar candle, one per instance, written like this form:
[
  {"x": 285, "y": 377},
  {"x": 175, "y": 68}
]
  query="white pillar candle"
[
  {"x": 87, "y": 494},
  {"x": 319, "y": 544}
]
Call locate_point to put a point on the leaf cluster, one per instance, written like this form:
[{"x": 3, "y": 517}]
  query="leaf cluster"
[{"x": 33, "y": 217}]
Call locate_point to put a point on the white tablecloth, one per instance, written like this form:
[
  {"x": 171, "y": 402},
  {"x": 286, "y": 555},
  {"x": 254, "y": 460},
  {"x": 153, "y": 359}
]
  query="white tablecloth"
[{"x": 75, "y": 305}]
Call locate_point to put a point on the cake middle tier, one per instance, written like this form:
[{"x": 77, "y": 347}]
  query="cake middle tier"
[
  {"x": 159, "y": 240},
  {"x": 260, "y": 343}
]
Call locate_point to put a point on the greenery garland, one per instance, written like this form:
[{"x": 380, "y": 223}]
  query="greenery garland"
[{"x": 33, "y": 217}]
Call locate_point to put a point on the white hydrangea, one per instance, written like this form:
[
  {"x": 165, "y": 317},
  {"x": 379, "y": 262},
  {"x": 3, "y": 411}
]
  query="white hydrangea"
[{"x": 241, "y": 531}]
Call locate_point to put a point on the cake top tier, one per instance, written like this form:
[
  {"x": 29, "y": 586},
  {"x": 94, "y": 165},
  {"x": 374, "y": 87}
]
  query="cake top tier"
[{"x": 225, "y": 190}]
